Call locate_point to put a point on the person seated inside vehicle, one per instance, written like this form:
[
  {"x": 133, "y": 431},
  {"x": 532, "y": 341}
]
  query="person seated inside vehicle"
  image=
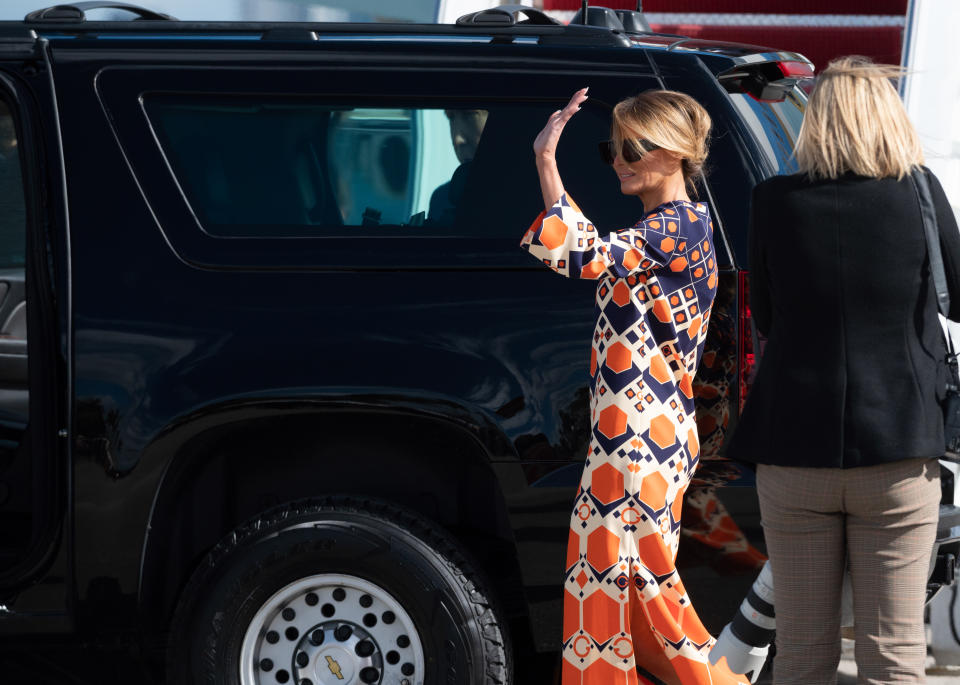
[{"x": 466, "y": 127}]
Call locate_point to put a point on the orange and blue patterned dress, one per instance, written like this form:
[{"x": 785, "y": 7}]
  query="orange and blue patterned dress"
[{"x": 624, "y": 604}]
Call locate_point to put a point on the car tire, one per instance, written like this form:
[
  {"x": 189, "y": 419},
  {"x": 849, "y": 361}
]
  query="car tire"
[{"x": 269, "y": 603}]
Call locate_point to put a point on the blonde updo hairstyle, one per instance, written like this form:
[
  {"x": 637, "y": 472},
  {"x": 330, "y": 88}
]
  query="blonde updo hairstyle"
[
  {"x": 673, "y": 121},
  {"x": 856, "y": 122}
]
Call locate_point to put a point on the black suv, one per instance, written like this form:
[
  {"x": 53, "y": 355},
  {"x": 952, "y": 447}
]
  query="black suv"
[{"x": 297, "y": 407}]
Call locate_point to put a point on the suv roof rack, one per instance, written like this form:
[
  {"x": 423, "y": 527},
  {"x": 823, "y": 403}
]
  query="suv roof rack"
[
  {"x": 506, "y": 15},
  {"x": 503, "y": 24},
  {"x": 67, "y": 25},
  {"x": 76, "y": 12}
]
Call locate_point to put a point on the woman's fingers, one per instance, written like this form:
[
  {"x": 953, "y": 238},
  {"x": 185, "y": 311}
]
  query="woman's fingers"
[
  {"x": 574, "y": 105},
  {"x": 564, "y": 115},
  {"x": 546, "y": 142}
]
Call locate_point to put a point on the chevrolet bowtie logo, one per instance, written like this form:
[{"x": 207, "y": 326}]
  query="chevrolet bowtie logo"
[{"x": 334, "y": 668}]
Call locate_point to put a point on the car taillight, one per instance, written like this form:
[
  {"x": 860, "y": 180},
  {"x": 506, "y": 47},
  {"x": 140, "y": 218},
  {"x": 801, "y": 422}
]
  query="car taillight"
[
  {"x": 746, "y": 357},
  {"x": 796, "y": 69},
  {"x": 767, "y": 81}
]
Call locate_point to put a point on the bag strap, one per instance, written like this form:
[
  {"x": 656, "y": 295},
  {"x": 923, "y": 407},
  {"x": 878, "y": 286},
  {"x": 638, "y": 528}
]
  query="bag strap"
[{"x": 928, "y": 215}]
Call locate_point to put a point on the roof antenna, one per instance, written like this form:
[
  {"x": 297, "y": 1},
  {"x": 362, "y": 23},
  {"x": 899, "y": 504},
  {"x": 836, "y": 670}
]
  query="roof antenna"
[
  {"x": 639, "y": 5},
  {"x": 583, "y": 11}
]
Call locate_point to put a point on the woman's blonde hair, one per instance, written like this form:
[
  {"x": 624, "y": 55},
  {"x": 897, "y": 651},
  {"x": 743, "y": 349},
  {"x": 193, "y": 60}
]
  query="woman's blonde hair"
[
  {"x": 671, "y": 120},
  {"x": 856, "y": 122}
]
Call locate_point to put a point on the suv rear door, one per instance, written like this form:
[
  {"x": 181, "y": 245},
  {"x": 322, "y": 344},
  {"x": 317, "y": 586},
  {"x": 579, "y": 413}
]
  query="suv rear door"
[{"x": 32, "y": 477}]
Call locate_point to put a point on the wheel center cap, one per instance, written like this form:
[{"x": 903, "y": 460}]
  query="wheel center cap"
[{"x": 334, "y": 666}]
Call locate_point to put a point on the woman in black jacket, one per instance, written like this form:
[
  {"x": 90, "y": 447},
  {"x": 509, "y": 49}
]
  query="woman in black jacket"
[{"x": 844, "y": 418}]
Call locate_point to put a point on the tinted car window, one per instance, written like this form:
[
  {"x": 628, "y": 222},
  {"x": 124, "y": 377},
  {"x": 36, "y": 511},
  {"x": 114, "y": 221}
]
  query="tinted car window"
[
  {"x": 12, "y": 211},
  {"x": 157, "y": 117},
  {"x": 268, "y": 167},
  {"x": 775, "y": 125}
]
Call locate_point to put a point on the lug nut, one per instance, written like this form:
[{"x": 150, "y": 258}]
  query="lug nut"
[{"x": 364, "y": 649}]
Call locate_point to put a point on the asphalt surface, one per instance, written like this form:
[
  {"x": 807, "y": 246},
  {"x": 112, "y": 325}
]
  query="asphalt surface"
[
  {"x": 938, "y": 675},
  {"x": 58, "y": 663}
]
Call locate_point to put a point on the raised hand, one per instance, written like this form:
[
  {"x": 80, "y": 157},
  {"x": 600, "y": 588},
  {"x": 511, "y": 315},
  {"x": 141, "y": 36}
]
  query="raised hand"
[{"x": 545, "y": 144}]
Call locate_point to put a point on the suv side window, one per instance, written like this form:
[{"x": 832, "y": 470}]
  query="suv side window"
[
  {"x": 260, "y": 167},
  {"x": 265, "y": 166},
  {"x": 775, "y": 125},
  {"x": 287, "y": 167},
  {"x": 12, "y": 209}
]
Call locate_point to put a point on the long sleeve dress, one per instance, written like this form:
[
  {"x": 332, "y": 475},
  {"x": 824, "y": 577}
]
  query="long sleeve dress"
[{"x": 624, "y": 604}]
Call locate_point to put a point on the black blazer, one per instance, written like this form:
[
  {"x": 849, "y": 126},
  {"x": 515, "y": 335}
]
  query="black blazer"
[{"x": 852, "y": 373}]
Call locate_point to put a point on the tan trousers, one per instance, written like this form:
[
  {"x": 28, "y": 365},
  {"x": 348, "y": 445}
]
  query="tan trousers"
[{"x": 880, "y": 519}]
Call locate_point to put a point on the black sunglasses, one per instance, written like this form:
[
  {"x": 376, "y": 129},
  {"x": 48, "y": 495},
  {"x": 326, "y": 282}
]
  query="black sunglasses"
[{"x": 631, "y": 150}]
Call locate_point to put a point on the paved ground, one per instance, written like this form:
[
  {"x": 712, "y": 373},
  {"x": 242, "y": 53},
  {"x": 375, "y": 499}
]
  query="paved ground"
[
  {"x": 936, "y": 675},
  {"x": 59, "y": 664}
]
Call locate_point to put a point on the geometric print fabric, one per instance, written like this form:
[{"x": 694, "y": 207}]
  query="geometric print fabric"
[{"x": 624, "y": 602}]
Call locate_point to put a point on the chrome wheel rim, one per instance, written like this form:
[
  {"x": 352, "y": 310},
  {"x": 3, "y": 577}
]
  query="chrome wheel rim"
[{"x": 331, "y": 629}]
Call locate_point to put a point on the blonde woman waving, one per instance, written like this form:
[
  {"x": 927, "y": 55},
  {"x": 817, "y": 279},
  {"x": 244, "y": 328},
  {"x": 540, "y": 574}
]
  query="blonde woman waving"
[{"x": 624, "y": 603}]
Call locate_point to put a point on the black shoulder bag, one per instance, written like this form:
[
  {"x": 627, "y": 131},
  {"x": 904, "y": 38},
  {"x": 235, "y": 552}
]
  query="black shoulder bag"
[{"x": 951, "y": 402}]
